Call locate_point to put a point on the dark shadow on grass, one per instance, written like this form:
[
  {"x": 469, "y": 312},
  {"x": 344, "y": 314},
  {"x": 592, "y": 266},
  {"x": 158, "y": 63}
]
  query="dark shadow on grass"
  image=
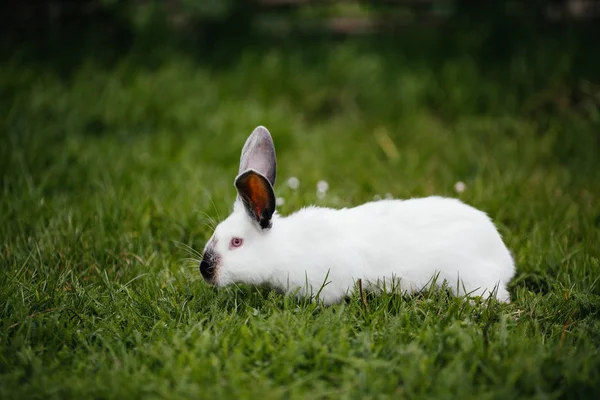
[{"x": 531, "y": 281}]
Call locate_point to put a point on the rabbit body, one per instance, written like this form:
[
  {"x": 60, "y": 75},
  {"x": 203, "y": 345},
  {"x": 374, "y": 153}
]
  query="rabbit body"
[
  {"x": 405, "y": 244},
  {"x": 400, "y": 242}
]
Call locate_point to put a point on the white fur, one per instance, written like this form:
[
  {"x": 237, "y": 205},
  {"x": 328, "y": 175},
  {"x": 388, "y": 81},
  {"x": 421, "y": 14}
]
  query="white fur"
[{"x": 403, "y": 241}]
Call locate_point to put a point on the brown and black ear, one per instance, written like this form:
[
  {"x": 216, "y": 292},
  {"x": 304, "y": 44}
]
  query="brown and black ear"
[{"x": 258, "y": 196}]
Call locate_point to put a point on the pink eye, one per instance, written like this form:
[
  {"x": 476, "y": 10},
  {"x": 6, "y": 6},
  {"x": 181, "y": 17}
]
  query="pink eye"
[{"x": 236, "y": 242}]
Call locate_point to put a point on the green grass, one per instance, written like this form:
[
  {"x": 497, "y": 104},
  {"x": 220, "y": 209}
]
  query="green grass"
[{"x": 109, "y": 172}]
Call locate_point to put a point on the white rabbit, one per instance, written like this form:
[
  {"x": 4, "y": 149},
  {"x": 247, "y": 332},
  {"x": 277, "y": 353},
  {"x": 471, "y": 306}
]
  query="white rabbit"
[{"x": 324, "y": 251}]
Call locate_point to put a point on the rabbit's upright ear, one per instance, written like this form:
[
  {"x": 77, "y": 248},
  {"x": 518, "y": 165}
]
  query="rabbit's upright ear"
[
  {"x": 257, "y": 195},
  {"x": 259, "y": 154}
]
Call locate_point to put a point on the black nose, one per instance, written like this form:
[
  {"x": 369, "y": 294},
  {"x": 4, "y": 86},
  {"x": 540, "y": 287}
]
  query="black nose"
[{"x": 207, "y": 269}]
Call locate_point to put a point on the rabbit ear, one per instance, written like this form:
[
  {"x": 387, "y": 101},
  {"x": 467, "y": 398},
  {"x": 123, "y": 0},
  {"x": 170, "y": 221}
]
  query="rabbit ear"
[
  {"x": 257, "y": 195},
  {"x": 259, "y": 154}
]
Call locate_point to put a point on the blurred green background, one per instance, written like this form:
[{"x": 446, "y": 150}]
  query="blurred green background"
[{"x": 122, "y": 124}]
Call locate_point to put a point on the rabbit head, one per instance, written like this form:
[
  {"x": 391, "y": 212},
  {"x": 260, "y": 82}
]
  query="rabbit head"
[{"x": 240, "y": 242}]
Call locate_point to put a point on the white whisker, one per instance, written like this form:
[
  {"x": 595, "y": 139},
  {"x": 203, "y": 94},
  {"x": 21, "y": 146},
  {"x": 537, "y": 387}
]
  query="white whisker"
[
  {"x": 211, "y": 221},
  {"x": 214, "y": 206},
  {"x": 191, "y": 251}
]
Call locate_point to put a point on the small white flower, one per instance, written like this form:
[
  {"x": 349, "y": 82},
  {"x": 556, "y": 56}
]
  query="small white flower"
[
  {"x": 293, "y": 183},
  {"x": 377, "y": 197},
  {"x": 322, "y": 186},
  {"x": 389, "y": 196},
  {"x": 280, "y": 201},
  {"x": 460, "y": 187},
  {"x": 321, "y": 195}
]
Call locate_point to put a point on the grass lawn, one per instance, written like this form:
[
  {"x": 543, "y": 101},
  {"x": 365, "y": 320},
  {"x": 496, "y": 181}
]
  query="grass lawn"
[{"x": 110, "y": 172}]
